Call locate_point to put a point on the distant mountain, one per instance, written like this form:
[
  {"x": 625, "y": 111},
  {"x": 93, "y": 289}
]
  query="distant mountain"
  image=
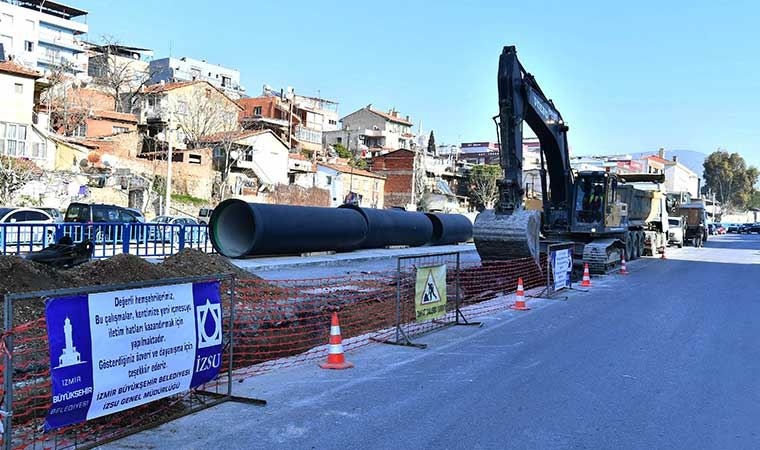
[{"x": 689, "y": 158}]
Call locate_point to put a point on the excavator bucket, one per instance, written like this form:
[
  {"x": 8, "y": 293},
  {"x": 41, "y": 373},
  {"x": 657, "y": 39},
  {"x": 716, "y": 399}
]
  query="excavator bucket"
[{"x": 507, "y": 236}]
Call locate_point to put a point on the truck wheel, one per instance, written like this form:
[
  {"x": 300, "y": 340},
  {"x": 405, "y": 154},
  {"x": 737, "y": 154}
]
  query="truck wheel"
[{"x": 629, "y": 253}]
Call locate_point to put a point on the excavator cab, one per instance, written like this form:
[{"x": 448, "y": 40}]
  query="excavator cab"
[{"x": 595, "y": 208}]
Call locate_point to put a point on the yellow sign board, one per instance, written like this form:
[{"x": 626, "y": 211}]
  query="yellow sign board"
[{"x": 430, "y": 293}]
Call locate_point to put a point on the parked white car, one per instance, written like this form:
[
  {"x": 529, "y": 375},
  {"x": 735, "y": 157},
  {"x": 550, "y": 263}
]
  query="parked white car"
[
  {"x": 25, "y": 227},
  {"x": 193, "y": 234},
  {"x": 676, "y": 228}
]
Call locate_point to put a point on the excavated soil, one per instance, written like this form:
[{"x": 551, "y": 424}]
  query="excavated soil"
[{"x": 19, "y": 275}]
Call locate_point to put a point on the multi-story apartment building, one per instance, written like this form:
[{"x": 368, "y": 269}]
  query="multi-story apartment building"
[
  {"x": 300, "y": 120},
  {"x": 128, "y": 64},
  {"x": 372, "y": 133},
  {"x": 44, "y": 34},
  {"x": 173, "y": 70}
]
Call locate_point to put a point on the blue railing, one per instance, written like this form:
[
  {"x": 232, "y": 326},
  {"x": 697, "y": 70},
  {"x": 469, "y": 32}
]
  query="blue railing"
[{"x": 149, "y": 240}]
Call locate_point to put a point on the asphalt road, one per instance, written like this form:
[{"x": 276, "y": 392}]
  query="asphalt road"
[{"x": 665, "y": 358}]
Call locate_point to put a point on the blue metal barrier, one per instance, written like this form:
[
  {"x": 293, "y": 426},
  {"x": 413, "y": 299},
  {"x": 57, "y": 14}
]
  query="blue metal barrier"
[{"x": 149, "y": 240}]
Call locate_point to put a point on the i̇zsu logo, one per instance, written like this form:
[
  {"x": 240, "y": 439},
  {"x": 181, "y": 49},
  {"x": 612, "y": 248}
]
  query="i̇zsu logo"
[{"x": 209, "y": 320}]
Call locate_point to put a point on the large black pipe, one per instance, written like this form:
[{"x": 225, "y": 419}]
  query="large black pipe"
[
  {"x": 388, "y": 227},
  {"x": 450, "y": 228},
  {"x": 239, "y": 229}
]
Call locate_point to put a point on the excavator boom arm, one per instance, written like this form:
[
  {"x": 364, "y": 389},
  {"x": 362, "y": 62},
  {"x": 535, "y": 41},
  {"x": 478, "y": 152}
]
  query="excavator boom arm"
[{"x": 522, "y": 100}]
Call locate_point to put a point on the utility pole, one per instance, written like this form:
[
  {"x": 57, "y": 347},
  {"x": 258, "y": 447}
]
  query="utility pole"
[{"x": 168, "y": 201}]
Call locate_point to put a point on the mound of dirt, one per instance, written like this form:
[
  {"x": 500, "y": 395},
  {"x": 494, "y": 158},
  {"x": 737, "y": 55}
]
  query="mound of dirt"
[
  {"x": 191, "y": 262},
  {"x": 122, "y": 268},
  {"x": 20, "y": 275}
]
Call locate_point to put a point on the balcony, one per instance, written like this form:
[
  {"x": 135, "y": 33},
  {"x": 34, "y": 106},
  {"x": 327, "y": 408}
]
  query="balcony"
[
  {"x": 60, "y": 39},
  {"x": 51, "y": 60}
]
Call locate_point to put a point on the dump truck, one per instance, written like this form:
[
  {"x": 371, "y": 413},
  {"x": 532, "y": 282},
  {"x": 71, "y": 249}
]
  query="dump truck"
[{"x": 695, "y": 216}]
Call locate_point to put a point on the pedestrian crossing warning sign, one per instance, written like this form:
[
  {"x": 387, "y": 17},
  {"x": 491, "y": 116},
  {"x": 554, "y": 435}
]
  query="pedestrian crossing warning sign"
[{"x": 430, "y": 293}]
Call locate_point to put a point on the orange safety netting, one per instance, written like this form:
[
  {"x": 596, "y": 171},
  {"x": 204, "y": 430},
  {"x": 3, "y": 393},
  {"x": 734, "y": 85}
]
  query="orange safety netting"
[{"x": 276, "y": 324}]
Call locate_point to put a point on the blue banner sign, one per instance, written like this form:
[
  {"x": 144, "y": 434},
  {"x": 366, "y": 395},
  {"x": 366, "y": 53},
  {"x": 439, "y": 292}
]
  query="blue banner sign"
[
  {"x": 113, "y": 351},
  {"x": 561, "y": 267}
]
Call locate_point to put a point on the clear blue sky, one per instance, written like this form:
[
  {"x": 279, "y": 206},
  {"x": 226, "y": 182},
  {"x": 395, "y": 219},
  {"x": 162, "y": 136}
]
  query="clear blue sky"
[{"x": 627, "y": 76}]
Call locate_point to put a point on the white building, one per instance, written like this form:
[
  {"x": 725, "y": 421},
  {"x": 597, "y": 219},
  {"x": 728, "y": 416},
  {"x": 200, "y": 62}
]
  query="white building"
[
  {"x": 679, "y": 178},
  {"x": 369, "y": 132},
  {"x": 43, "y": 34},
  {"x": 19, "y": 137},
  {"x": 263, "y": 153},
  {"x": 171, "y": 70}
]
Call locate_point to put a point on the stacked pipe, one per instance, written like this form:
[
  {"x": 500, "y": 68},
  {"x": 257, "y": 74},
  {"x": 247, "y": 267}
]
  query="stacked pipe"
[{"x": 238, "y": 229}]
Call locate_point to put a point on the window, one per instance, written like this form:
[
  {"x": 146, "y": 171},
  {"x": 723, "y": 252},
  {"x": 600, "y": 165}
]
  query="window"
[
  {"x": 18, "y": 87},
  {"x": 332, "y": 122},
  {"x": 38, "y": 150},
  {"x": 182, "y": 107},
  {"x": 13, "y": 139},
  {"x": 226, "y": 81},
  {"x": 248, "y": 155},
  {"x": 119, "y": 130},
  {"x": 29, "y": 46},
  {"x": 194, "y": 159},
  {"x": 257, "y": 110},
  {"x": 80, "y": 130}
]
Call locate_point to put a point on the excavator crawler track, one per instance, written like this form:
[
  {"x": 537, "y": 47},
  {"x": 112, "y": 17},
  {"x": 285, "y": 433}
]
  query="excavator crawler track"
[{"x": 602, "y": 255}]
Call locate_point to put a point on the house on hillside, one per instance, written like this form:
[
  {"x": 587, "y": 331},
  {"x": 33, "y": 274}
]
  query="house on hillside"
[
  {"x": 185, "y": 112},
  {"x": 255, "y": 159},
  {"x": 176, "y": 70},
  {"x": 298, "y": 119},
  {"x": 347, "y": 183},
  {"x": 369, "y": 132},
  {"x": 441, "y": 180},
  {"x": 19, "y": 135}
]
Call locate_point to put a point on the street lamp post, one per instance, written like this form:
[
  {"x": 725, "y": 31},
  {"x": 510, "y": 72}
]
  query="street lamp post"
[{"x": 168, "y": 201}]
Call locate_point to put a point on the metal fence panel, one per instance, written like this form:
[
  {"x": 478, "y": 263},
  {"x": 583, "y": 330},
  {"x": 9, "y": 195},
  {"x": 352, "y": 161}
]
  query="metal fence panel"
[
  {"x": 150, "y": 240},
  {"x": 26, "y": 377}
]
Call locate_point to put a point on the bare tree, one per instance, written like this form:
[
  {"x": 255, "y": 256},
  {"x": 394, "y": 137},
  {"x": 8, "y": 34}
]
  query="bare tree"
[
  {"x": 419, "y": 177},
  {"x": 15, "y": 173},
  {"x": 484, "y": 187},
  {"x": 201, "y": 117},
  {"x": 67, "y": 110},
  {"x": 120, "y": 77}
]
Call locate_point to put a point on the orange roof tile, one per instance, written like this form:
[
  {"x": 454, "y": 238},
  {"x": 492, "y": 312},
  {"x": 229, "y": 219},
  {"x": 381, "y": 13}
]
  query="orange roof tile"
[
  {"x": 298, "y": 156},
  {"x": 218, "y": 137},
  {"x": 154, "y": 88},
  {"x": 349, "y": 169},
  {"x": 657, "y": 158},
  {"x": 387, "y": 116},
  {"x": 113, "y": 115},
  {"x": 17, "y": 69}
]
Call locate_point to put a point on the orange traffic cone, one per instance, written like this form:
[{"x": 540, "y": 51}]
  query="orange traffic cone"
[
  {"x": 519, "y": 304},
  {"x": 586, "y": 276},
  {"x": 335, "y": 357},
  {"x": 623, "y": 270}
]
